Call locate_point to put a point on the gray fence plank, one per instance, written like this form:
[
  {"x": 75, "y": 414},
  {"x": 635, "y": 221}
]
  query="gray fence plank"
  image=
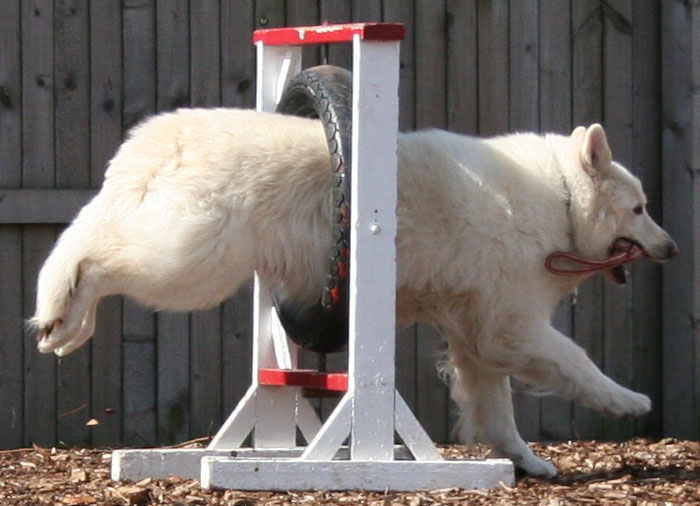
[
  {"x": 236, "y": 346},
  {"x": 205, "y": 366},
  {"x": 238, "y": 89},
  {"x": 617, "y": 113},
  {"x": 366, "y": 10},
  {"x": 11, "y": 370},
  {"x": 269, "y": 14},
  {"x": 37, "y": 95},
  {"x": 524, "y": 106},
  {"x": 72, "y": 171},
  {"x": 107, "y": 402},
  {"x": 646, "y": 163},
  {"x": 587, "y": 108},
  {"x": 10, "y": 97},
  {"x": 72, "y": 94},
  {"x": 38, "y": 167},
  {"x": 237, "y": 54},
  {"x": 462, "y": 68},
  {"x": 206, "y": 53},
  {"x": 555, "y": 116},
  {"x": 173, "y": 329},
  {"x": 680, "y": 219},
  {"x": 173, "y": 370},
  {"x": 173, "y": 54},
  {"x": 431, "y": 111},
  {"x": 105, "y": 85},
  {"x": 39, "y": 370},
  {"x": 139, "y": 50},
  {"x": 493, "y": 66},
  {"x": 11, "y": 363},
  {"x": 205, "y": 370},
  {"x": 139, "y": 355},
  {"x": 462, "y": 88},
  {"x": 401, "y": 11},
  {"x": 106, "y": 133}
]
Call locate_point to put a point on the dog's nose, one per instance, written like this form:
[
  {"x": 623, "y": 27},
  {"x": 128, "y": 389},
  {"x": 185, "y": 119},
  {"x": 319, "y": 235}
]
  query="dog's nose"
[{"x": 672, "y": 249}]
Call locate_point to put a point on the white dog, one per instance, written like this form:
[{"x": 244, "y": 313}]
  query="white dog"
[{"x": 195, "y": 200}]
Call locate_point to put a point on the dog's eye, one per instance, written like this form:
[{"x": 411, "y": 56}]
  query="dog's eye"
[{"x": 639, "y": 209}]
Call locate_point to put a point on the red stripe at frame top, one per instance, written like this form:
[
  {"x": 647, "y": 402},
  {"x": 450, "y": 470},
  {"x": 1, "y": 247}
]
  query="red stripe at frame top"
[{"x": 327, "y": 33}]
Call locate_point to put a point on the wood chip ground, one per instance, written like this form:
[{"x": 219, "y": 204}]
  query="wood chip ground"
[{"x": 636, "y": 472}]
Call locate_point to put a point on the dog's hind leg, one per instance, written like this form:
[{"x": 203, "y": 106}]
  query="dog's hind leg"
[
  {"x": 486, "y": 415},
  {"x": 554, "y": 362}
]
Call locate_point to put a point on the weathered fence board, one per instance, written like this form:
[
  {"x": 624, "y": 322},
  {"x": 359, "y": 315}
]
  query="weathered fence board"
[
  {"x": 105, "y": 135},
  {"x": 399, "y": 11},
  {"x": 431, "y": 111},
  {"x": 11, "y": 363},
  {"x": 75, "y": 74},
  {"x": 555, "y": 79},
  {"x": 11, "y": 310},
  {"x": 462, "y": 67},
  {"x": 618, "y": 341},
  {"x": 72, "y": 154},
  {"x": 679, "y": 66},
  {"x": 587, "y": 37},
  {"x": 492, "y": 76},
  {"x": 523, "y": 115},
  {"x": 173, "y": 330},
  {"x": 139, "y": 329}
]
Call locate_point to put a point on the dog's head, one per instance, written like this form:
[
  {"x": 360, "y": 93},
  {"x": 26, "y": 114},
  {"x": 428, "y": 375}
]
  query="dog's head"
[{"x": 617, "y": 208}]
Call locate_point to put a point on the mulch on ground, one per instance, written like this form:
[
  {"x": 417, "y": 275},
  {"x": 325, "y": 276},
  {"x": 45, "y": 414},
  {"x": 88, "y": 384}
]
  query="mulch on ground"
[{"x": 636, "y": 472}]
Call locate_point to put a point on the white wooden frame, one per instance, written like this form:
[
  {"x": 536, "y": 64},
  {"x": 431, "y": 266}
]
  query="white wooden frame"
[{"x": 371, "y": 412}]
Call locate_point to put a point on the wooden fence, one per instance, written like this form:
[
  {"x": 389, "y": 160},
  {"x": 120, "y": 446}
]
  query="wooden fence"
[{"x": 76, "y": 74}]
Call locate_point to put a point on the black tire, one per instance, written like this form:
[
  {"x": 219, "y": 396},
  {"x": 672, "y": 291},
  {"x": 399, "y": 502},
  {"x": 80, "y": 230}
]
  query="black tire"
[{"x": 325, "y": 92}]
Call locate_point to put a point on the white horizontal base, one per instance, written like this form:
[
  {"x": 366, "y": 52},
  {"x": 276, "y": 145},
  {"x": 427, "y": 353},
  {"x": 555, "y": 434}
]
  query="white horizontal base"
[
  {"x": 135, "y": 465},
  {"x": 395, "y": 475},
  {"x": 246, "y": 469}
]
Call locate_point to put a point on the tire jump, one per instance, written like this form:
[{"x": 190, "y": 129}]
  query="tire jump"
[{"x": 325, "y": 92}]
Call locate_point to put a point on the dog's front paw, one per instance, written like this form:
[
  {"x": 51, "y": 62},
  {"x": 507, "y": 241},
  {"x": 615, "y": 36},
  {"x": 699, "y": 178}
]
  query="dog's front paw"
[
  {"x": 528, "y": 463},
  {"x": 537, "y": 467},
  {"x": 628, "y": 403}
]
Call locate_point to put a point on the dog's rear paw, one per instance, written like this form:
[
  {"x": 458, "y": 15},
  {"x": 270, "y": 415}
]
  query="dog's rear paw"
[{"x": 46, "y": 336}]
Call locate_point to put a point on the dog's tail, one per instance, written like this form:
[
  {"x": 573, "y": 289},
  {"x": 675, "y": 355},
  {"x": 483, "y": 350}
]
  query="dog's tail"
[{"x": 58, "y": 279}]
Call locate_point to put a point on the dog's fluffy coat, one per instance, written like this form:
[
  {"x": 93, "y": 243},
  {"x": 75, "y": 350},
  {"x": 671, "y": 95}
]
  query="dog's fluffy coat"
[{"x": 195, "y": 200}]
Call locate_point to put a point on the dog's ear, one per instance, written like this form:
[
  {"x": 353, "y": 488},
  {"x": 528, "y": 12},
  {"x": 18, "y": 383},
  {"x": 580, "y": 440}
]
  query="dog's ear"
[
  {"x": 578, "y": 134},
  {"x": 595, "y": 153}
]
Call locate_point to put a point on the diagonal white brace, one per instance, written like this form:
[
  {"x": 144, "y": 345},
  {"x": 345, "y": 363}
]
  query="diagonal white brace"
[
  {"x": 238, "y": 425},
  {"x": 331, "y": 436},
  {"x": 412, "y": 433}
]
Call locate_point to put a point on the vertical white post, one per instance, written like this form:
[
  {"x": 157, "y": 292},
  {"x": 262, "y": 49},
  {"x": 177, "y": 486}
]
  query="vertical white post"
[
  {"x": 277, "y": 65},
  {"x": 373, "y": 252},
  {"x": 275, "y": 407}
]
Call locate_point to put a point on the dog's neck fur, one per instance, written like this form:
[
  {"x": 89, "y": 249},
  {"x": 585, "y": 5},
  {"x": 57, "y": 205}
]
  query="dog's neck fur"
[{"x": 577, "y": 189}]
